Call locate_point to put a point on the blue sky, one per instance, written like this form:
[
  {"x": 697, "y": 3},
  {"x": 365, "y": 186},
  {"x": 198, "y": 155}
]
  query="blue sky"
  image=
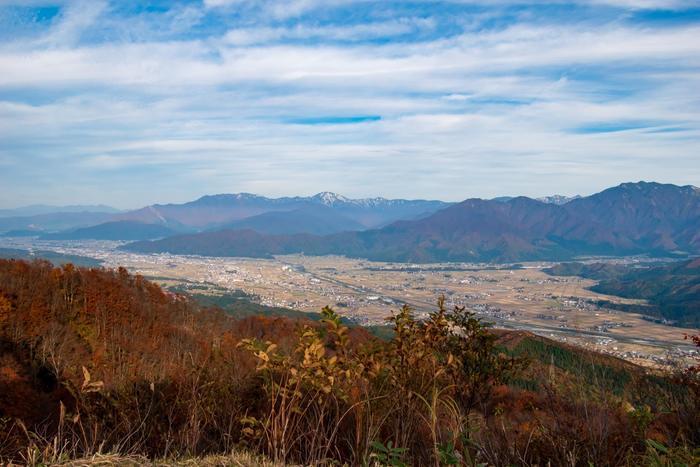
[{"x": 129, "y": 103}]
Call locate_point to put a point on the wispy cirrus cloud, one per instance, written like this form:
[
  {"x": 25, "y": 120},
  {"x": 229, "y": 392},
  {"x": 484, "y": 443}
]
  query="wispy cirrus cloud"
[
  {"x": 357, "y": 32},
  {"x": 442, "y": 99}
]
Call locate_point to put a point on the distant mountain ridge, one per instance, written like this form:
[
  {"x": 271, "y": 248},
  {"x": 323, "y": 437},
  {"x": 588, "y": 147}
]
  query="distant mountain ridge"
[
  {"x": 217, "y": 210},
  {"x": 632, "y": 218},
  {"x": 53, "y": 221},
  {"x": 317, "y": 220},
  {"x": 39, "y": 209},
  {"x": 116, "y": 230},
  {"x": 322, "y": 213}
]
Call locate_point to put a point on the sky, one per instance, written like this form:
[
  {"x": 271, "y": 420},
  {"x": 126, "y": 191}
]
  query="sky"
[{"x": 129, "y": 103}]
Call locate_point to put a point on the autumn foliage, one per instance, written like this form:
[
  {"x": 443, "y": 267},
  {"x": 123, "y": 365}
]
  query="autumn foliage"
[{"x": 95, "y": 361}]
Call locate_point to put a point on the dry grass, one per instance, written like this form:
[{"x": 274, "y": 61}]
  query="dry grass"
[{"x": 234, "y": 459}]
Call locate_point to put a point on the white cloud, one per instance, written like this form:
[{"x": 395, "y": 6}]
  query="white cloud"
[
  {"x": 437, "y": 66},
  {"x": 281, "y": 9},
  {"x": 76, "y": 17},
  {"x": 498, "y": 107},
  {"x": 365, "y": 31},
  {"x": 646, "y": 4}
]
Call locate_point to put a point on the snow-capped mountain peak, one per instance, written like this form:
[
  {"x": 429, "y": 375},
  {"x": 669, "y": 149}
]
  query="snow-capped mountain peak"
[
  {"x": 557, "y": 199},
  {"x": 329, "y": 199}
]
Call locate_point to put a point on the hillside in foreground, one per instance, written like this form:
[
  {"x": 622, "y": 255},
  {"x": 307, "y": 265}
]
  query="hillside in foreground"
[{"x": 98, "y": 362}]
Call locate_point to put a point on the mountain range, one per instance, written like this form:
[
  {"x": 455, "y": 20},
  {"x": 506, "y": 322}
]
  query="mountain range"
[
  {"x": 632, "y": 218},
  {"x": 321, "y": 214},
  {"x": 221, "y": 211}
]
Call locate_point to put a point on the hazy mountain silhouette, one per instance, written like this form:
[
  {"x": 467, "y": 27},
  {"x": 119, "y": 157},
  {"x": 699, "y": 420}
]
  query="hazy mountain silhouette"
[
  {"x": 117, "y": 230},
  {"x": 313, "y": 219},
  {"x": 54, "y": 221},
  {"x": 38, "y": 209}
]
